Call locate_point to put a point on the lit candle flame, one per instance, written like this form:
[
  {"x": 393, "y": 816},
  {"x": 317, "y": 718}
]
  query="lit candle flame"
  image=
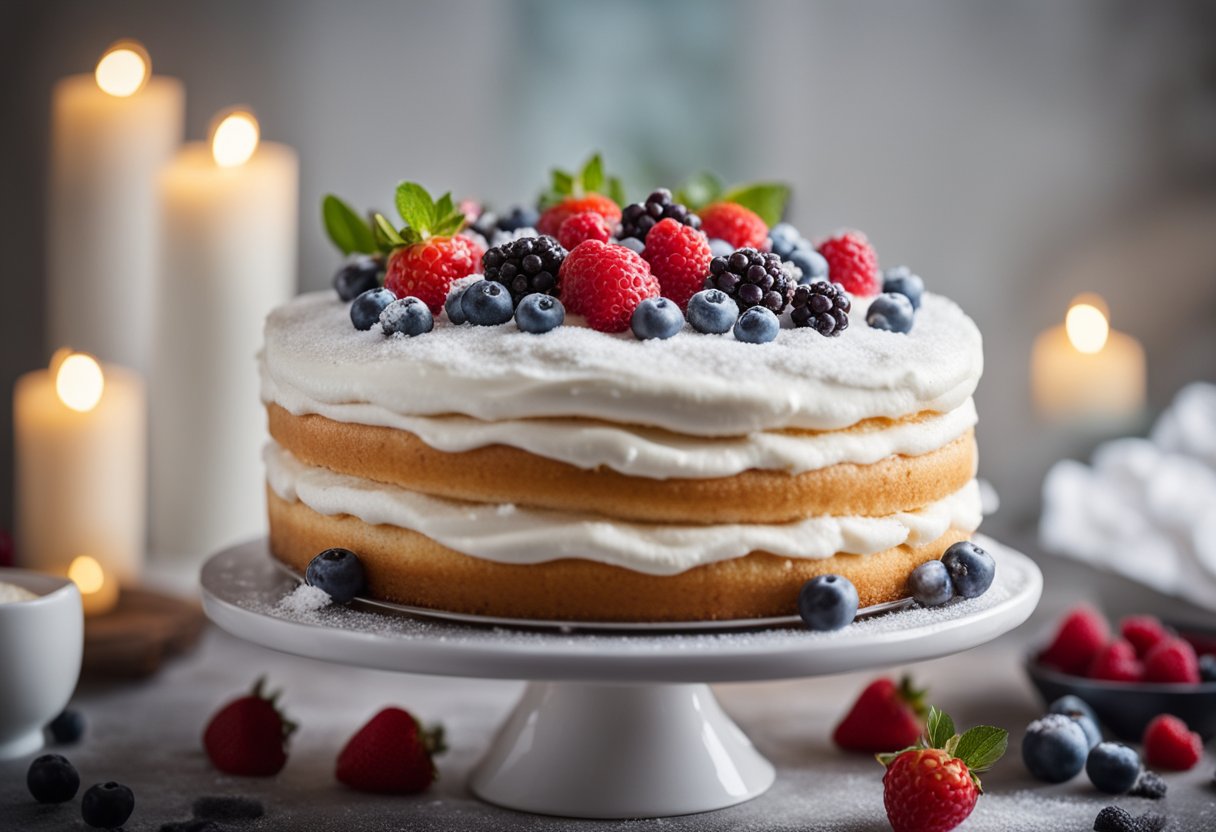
[
  {"x": 79, "y": 382},
  {"x": 1086, "y": 324},
  {"x": 123, "y": 69},
  {"x": 235, "y": 139},
  {"x": 87, "y": 574}
]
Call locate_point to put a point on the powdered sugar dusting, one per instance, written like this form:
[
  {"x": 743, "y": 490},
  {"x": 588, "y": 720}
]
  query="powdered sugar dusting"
[{"x": 304, "y": 600}]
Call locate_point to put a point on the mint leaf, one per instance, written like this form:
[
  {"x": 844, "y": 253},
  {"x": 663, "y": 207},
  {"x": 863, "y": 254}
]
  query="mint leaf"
[
  {"x": 348, "y": 231},
  {"x": 939, "y": 728},
  {"x": 616, "y": 191},
  {"x": 700, "y": 190},
  {"x": 592, "y": 175},
  {"x": 386, "y": 230},
  {"x": 563, "y": 183},
  {"x": 416, "y": 207},
  {"x": 982, "y": 746},
  {"x": 444, "y": 207},
  {"x": 765, "y": 198},
  {"x": 449, "y": 225}
]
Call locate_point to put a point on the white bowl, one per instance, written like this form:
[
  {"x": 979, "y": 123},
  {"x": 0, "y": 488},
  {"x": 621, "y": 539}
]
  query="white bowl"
[{"x": 41, "y": 641}]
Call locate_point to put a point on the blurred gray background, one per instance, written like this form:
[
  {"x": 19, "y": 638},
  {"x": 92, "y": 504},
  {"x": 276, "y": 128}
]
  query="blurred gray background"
[{"x": 1014, "y": 154}]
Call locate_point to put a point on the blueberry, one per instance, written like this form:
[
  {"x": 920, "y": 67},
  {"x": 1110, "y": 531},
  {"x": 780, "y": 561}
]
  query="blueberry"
[
  {"x": 633, "y": 244},
  {"x": 828, "y": 602},
  {"x": 52, "y": 779},
  {"x": 930, "y": 584},
  {"x": 1207, "y": 667},
  {"x": 1112, "y": 767},
  {"x": 784, "y": 237},
  {"x": 712, "y": 311},
  {"x": 971, "y": 568},
  {"x": 225, "y": 807},
  {"x": 538, "y": 313},
  {"x": 518, "y": 218},
  {"x": 901, "y": 281},
  {"x": 1075, "y": 708},
  {"x": 366, "y": 309},
  {"x": 358, "y": 276},
  {"x": 757, "y": 326},
  {"x": 453, "y": 308},
  {"x": 107, "y": 805},
  {"x": 811, "y": 263},
  {"x": 720, "y": 248},
  {"x": 67, "y": 728},
  {"x": 487, "y": 303},
  {"x": 892, "y": 312},
  {"x": 1054, "y": 748},
  {"x": 338, "y": 572},
  {"x": 656, "y": 318},
  {"x": 407, "y": 316}
]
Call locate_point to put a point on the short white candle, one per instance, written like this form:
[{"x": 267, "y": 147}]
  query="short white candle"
[
  {"x": 229, "y": 258},
  {"x": 111, "y": 132},
  {"x": 81, "y": 455}
]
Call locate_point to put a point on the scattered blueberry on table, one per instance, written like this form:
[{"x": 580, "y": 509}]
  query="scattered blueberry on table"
[
  {"x": 107, "y": 805},
  {"x": 52, "y": 779},
  {"x": 1054, "y": 748}
]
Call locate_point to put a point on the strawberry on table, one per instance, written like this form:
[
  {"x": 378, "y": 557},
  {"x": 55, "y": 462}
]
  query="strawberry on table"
[
  {"x": 391, "y": 754},
  {"x": 577, "y": 193},
  {"x": 886, "y": 717},
  {"x": 249, "y": 735}
]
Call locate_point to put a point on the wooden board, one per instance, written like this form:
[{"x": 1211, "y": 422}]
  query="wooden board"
[{"x": 135, "y": 639}]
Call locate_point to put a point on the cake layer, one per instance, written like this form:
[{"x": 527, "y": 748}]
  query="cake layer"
[
  {"x": 691, "y": 384},
  {"x": 410, "y": 568},
  {"x": 510, "y": 534}
]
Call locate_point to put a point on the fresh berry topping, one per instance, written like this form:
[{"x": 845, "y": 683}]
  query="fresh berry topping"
[
  {"x": 811, "y": 263},
  {"x": 783, "y": 238},
  {"x": 656, "y": 319},
  {"x": 971, "y": 568},
  {"x": 228, "y": 807},
  {"x": 739, "y": 226},
  {"x": 886, "y": 717},
  {"x": 828, "y": 602},
  {"x": 1054, "y": 748},
  {"x": 638, "y": 218},
  {"x": 483, "y": 224},
  {"x": 551, "y": 220},
  {"x": 1075, "y": 709},
  {"x": 901, "y": 281},
  {"x": 679, "y": 257},
  {"x": 1116, "y": 662},
  {"x": 52, "y": 779},
  {"x": 585, "y": 226},
  {"x": 487, "y": 303},
  {"x": 107, "y": 805},
  {"x": 711, "y": 311},
  {"x": 1080, "y": 636},
  {"x": 518, "y": 217},
  {"x": 526, "y": 265},
  {"x": 1171, "y": 745},
  {"x": 248, "y": 736},
  {"x": 1207, "y": 667},
  {"x": 452, "y": 307},
  {"x": 752, "y": 278},
  {"x": 67, "y": 728},
  {"x": 757, "y": 326},
  {"x": 720, "y": 248},
  {"x": 573, "y": 193},
  {"x": 633, "y": 244},
  {"x": 338, "y": 572},
  {"x": 426, "y": 270},
  {"x": 930, "y": 584},
  {"x": 604, "y": 283},
  {"x": 539, "y": 313},
  {"x": 1144, "y": 632},
  {"x": 365, "y": 310},
  {"x": 852, "y": 263},
  {"x": 391, "y": 754},
  {"x": 357, "y": 276},
  {"x": 1112, "y": 767},
  {"x": 892, "y": 312},
  {"x": 822, "y": 306},
  {"x": 1172, "y": 661},
  {"x": 1150, "y": 785},
  {"x": 406, "y": 316}
]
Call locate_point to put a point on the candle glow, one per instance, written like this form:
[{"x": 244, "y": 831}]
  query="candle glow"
[
  {"x": 235, "y": 139},
  {"x": 123, "y": 69},
  {"x": 1087, "y": 327},
  {"x": 87, "y": 574},
  {"x": 79, "y": 382}
]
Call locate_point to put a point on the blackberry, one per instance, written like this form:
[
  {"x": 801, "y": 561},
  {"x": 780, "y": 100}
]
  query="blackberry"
[
  {"x": 638, "y": 218},
  {"x": 752, "y": 278},
  {"x": 525, "y": 266},
  {"x": 822, "y": 306},
  {"x": 1150, "y": 785}
]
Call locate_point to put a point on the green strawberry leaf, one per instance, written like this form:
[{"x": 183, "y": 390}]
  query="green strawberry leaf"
[
  {"x": 700, "y": 190},
  {"x": 563, "y": 183},
  {"x": 348, "y": 231},
  {"x": 765, "y": 198},
  {"x": 939, "y": 728},
  {"x": 980, "y": 747},
  {"x": 616, "y": 191},
  {"x": 591, "y": 178},
  {"x": 592, "y": 175},
  {"x": 913, "y": 696},
  {"x": 388, "y": 233},
  {"x": 444, "y": 207},
  {"x": 416, "y": 207}
]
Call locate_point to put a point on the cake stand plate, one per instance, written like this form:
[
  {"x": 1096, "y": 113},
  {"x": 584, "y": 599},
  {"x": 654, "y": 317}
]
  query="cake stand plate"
[{"x": 611, "y": 725}]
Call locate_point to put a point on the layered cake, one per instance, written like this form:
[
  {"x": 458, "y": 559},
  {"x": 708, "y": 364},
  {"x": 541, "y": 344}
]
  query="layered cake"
[{"x": 682, "y": 469}]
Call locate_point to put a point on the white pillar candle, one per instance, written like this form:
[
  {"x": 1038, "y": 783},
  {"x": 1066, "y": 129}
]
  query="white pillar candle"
[
  {"x": 111, "y": 132},
  {"x": 81, "y": 457},
  {"x": 229, "y": 258}
]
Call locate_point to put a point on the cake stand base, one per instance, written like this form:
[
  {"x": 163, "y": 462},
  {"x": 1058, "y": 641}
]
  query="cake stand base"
[{"x": 619, "y": 751}]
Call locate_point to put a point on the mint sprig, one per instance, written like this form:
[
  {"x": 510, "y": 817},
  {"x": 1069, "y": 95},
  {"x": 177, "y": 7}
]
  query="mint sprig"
[
  {"x": 979, "y": 748},
  {"x": 768, "y": 199},
  {"x": 424, "y": 216},
  {"x": 351, "y": 233},
  {"x": 590, "y": 179}
]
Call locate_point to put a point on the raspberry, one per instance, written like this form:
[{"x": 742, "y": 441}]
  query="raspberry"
[
  {"x": 1144, "y": 632},
  {"x": 1116, "y": 662},
  {"x": 823, "y": 306},
  {"x": 1080, "y": 636},
  {"x": 639, "y": 217},
  {"x": 679, "y": 257},
  {"x": 739, "y": 226},
  {"x": 426, "y": 270},
  {"x": 852, "y": 263},
  {"x": 752, "y": 278},
  {"x": 550, "y": 221},
  {"x": 526, "y": 265},
  {"x": 1172, "y": 661},
  {"x": 604, "y": 283},
  {"x": 585, "y": 226},
  {"x": 1169, "y": 744}
]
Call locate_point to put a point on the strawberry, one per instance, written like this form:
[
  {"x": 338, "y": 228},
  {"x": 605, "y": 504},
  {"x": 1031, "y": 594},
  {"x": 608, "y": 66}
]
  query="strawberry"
[
  {"x": 1173, "y": 661},
  {"x": 679, "y": 258},
  {"x": 1171, "y": 745},
  {"x": 852, "y": 263},
  {"x": 1079, "y": 637},
  {"x": 248, "y": 736},
  {"x": 551, "y": 220},
  {"x": 577, "y": 193},
  {"x": 884, "y": 718},
  {"x": 741, "y": 227},
  {"x": 934, "y": 785},
  {"x": 391, "y": 754},
  {"x": 604, "y": 283},
  {"x": 585, "y": 226},
  {"x": 1116, "y": 662},
  {"x": 1144, "y": 632}
]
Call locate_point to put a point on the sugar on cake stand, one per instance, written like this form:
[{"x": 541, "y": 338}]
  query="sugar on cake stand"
[{"x": 613, "y": 724}]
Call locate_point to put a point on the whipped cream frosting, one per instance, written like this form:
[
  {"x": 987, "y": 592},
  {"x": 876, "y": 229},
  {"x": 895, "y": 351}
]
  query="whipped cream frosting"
[
  {"x": 512, "y": 534},
  {"x": 703, "y": 385}
]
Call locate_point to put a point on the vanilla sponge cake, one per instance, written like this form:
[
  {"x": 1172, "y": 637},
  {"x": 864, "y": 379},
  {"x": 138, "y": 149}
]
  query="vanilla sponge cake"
[{"x": 582, "y": 475}]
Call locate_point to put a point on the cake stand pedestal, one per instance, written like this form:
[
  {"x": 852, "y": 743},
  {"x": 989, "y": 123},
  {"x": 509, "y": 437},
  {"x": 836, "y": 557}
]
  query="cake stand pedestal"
[{"x": 613, "y": 725}]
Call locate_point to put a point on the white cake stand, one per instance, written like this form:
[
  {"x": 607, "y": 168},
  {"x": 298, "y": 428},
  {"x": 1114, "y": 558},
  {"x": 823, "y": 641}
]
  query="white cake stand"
[{"x": 611, "y": 725}]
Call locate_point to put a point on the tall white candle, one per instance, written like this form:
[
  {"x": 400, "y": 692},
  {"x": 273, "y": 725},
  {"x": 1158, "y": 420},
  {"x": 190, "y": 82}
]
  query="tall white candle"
[
  {"x": 229, "y": 258},
  {"x": 111, "y": 132}
]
